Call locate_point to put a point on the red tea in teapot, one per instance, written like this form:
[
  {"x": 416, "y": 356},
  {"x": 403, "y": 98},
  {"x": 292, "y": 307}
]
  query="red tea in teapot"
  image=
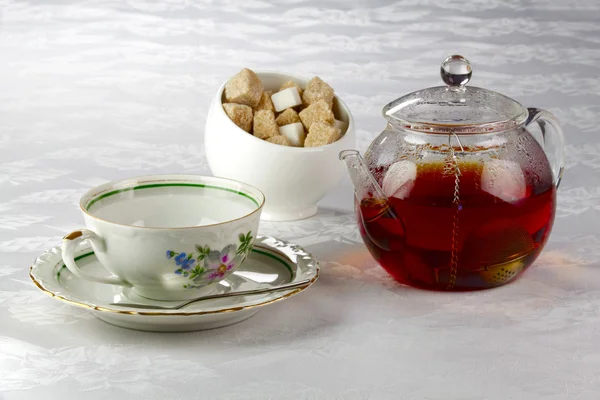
[{"x": 460, "y": 231}]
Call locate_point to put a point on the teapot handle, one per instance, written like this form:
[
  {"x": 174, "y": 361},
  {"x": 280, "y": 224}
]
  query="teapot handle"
[{"x": 545, "y": 119}]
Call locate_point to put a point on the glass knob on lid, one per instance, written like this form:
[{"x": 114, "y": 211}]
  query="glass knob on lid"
[
  {"x": 454, "y": 108},
  {"x": 456, "y": 72}
]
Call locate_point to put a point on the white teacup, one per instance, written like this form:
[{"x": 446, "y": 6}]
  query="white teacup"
[{"x": 169, "y": 237}]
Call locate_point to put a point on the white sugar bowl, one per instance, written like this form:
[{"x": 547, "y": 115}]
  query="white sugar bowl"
[{"x": 293, "y": 179}]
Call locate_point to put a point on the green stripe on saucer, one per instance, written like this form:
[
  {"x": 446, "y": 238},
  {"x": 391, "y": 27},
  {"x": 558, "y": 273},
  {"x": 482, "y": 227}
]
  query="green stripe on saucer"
[{"x": 264, "y": 253}]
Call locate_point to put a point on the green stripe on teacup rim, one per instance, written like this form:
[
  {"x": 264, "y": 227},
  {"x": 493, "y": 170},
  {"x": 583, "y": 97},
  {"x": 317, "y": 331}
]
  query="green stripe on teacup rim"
[
  {"x": 157, "y": 185},
  {"x": 155, "y": 181},
  {"x": 259, "y": 250}
]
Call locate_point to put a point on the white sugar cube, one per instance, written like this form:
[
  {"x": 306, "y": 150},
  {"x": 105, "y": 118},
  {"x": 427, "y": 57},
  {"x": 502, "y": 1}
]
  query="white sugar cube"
[
  {"x": 286, "y": 98},
  {"x": 399, "y": 179},
  {"x": 341, "y": 125},
  {"x": 504, "y": 179},
  {"x": 294, "y": 133}
]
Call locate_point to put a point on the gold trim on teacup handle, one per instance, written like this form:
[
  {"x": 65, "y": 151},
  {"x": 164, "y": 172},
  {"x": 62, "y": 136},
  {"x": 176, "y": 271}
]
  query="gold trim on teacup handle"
[
  {"x": 69, "y": 247},
  {"x": 73, "y": 235}
]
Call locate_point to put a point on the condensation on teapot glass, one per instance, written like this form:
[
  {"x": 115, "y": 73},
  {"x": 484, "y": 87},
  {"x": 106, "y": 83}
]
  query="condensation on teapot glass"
[{"x": 456, "y": 72}]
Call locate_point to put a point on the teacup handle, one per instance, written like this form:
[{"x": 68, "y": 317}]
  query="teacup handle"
[
  {"x": 70, "y": 243},
  {"x": 544, "y": 118}
]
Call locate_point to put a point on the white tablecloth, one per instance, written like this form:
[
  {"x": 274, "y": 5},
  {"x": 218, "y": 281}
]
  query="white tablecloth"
[{"x": 104, "y": 90}]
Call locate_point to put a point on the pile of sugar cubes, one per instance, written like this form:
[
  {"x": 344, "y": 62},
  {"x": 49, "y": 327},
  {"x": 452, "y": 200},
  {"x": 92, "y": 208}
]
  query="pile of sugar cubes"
[{"x": 291, "y": 117}]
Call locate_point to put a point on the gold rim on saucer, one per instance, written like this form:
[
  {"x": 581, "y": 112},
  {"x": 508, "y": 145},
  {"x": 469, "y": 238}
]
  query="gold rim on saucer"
[{"x": 269, "y": 244}]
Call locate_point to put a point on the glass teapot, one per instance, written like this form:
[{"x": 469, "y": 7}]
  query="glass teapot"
[{"x": 457, "y": 193}]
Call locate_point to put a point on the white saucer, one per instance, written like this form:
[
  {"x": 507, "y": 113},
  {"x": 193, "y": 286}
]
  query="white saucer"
[{"x": 272, "y": 262}]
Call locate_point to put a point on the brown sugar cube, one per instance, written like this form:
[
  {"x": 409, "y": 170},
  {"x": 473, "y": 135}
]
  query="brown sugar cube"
[
  {"x": 265, "y": 125},
  {"x": 317, "y": 90},
  {"x": 244, "y": 88},
  {"x": 321, "y": 134},
  {"x": 265, "y": 102},
  {"x": 279, "y": 139},
  {"x": 289, "y": 116},
  {"x": 240, "y": 114},
  {"x": 290, "y": 84},
  {"x": 316, "y": 112}
]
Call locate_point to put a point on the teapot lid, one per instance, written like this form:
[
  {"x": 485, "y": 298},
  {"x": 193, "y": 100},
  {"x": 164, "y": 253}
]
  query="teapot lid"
[{"x": 454, "y": 108}]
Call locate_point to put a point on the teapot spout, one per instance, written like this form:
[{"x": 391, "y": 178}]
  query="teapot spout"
[
  {"x": 365, "y": 185},
  {"x": 377, "y": 217}
]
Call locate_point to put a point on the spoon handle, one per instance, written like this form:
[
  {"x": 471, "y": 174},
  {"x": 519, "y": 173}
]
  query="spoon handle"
[{"x": 296, "y": 285}]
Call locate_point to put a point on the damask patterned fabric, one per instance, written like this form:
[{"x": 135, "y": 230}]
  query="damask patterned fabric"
[{"x": 103, "y": 90}]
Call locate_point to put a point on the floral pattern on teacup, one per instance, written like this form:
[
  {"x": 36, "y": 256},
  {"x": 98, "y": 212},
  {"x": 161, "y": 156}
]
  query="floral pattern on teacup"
[{"x": 207, "y": 265}]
